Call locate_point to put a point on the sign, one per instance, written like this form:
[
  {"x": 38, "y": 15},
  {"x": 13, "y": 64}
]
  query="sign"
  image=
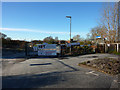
[
  {"x": 98, "y": 36},
  {"x": 70, "y": 44},
  {"x": 47, "y": 52},
  {"x": 108, "y": 45},
  {"x": 48, "y": 49}
]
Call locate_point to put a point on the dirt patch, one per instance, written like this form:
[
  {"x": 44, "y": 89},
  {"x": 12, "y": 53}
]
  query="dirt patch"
[{"x": 106, "y": 65}]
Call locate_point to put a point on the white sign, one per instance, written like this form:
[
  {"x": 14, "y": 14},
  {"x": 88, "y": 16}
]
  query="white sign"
[
  {"x": 35, "y": 48},
  {"x": 98, "y": 36},
  {"x": 108, "y": 45},
  {"x": 48, "y": 49},
  {"x": 47, "y": 52}
]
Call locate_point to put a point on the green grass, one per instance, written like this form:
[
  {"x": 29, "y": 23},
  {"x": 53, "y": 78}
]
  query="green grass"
[
  {"x": 117, "y": 53},
  {"x": 114, "y": 52},
  {"x": 84, "y": 63}
]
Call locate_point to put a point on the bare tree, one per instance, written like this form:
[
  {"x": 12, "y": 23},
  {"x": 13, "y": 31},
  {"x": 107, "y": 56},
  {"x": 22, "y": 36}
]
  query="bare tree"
[
  {"x": 49, "y": 40},
  {"x": 108, "y": 26},
  {"x": 56, "y": 38},
  {"x": 110, "y": 21},
  {"x": 98, "y": 31},
  {"x": 76, "y": 38},
  {"x": 88, "y": 36}
]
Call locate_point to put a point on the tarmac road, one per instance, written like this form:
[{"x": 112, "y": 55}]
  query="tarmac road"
[{"x": 55, "y": 73}]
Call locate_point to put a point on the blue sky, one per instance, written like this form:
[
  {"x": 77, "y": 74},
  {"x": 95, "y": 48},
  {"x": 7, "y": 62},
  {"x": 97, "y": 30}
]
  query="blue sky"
[{"x": 37, "y": 20}]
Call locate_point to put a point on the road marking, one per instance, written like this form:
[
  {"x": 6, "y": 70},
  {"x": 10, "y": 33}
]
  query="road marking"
[
  {"x": 60, "y": 60},
  {"x": 116, "y": 81},
  {"x": 47, "y": 72},
  {"x": 92, "y": 72}
]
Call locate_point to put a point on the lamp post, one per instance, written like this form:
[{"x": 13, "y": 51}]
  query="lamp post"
[
  {"x": 70, "y": 26},
  {"x": 70, "y": 31},
  {"x": 118, "y": 36}
]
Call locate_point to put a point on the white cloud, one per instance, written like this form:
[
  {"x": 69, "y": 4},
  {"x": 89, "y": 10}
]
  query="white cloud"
[
  {"x": 38, "y": 31},
  {"x": 14, "y": 29}
]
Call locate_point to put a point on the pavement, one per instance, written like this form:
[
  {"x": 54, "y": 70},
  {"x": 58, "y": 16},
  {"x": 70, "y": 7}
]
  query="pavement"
[{"x": 55, "y": 73}]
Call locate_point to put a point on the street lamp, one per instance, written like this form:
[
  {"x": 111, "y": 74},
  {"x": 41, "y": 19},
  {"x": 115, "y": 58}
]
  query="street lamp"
[
  {"x": 70, "y": 31},
  {"x": 70, "y": 26},
  {"x": 118, "y": 27}
]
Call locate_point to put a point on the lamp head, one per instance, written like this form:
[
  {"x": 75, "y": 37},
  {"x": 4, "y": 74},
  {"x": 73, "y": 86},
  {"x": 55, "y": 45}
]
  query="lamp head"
[{"x": 68, "y": 16}]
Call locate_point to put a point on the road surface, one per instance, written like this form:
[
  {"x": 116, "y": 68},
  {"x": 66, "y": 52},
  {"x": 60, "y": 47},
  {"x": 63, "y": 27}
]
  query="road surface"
[{"x": 55, "y": 73}]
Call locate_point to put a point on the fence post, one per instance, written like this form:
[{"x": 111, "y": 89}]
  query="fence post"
[
  {"x": 26, "y": 49},
  {"x": 117, "y": 47},
  {"x": 106, "y": 48}
]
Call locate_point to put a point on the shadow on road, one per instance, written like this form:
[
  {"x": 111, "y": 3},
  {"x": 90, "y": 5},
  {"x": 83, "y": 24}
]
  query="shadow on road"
[
  {"x": 75, "y": 69},
  {"x": 90, "y": 57},
  {"x": 40, "y": 64},
  {"x": 32, "y": 81}
]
